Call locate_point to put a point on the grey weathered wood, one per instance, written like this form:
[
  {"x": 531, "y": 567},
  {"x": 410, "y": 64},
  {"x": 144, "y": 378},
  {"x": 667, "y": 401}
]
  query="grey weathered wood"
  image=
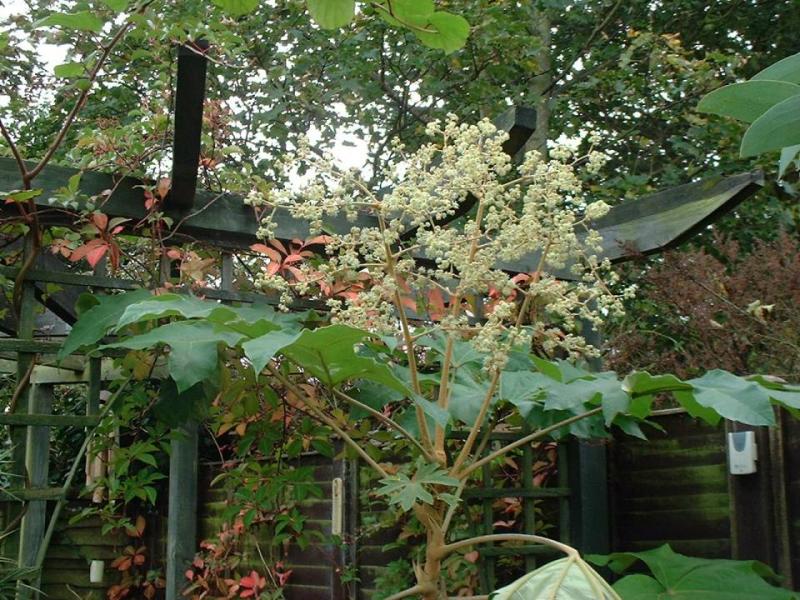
[
  {"x": 182, "y": 508},
  {"x": 37, "y": 460}
]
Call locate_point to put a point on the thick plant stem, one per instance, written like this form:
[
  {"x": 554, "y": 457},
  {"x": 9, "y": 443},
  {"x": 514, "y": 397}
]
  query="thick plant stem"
[{"x": 447, "y": 549}]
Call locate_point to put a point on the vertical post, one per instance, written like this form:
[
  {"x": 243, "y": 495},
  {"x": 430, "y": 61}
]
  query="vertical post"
[
  {"x": 589, "y": 494},
  {"x": 182, "y": 507},
  {"x": 17, "y": 434},
  {"x": 588, "y": 476},
  {"x": 489, "y": 562},
  {"x": 528, "y": 503},
  {"x": 751, "y": 504},
  {"x": 37, "y": 461},
  {"x": 564, "y": 527},
  {"x": 777, "y": 452}
]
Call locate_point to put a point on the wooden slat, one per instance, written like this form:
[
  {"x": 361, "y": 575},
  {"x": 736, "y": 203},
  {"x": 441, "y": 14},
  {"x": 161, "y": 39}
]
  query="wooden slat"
[
  {"x": 538, "y": 492},
  {"x": 17, "y": 419}
]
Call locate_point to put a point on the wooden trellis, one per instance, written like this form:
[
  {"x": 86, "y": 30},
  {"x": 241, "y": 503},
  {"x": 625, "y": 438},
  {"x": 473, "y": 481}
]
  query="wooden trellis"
[{"x": 643, "y": 226}]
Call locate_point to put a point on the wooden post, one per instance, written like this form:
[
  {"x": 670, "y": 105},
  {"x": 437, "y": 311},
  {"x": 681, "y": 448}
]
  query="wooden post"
[
  {"x": 37, "y": 461},
  {"x": 589, "y": 495},
  {"x": 752, "y": 533},
  {"x": 528, "y": 503},
  {"x": 182, "y": 507},
  {"x": 18, "y": 434}
]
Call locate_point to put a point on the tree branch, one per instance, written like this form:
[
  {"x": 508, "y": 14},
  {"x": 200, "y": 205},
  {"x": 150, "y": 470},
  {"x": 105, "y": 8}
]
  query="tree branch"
[
  {"x": 14, "y": 151},
  {"x": 586, "y": 45},
  {"x": 73, "y": 113}
]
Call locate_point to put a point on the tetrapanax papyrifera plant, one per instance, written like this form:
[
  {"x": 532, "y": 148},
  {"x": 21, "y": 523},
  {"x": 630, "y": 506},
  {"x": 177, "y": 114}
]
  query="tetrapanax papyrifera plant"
[{"x": 426, "y": 331}]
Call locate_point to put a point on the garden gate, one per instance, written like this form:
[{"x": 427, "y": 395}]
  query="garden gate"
[{"x": 632, "y": 228}]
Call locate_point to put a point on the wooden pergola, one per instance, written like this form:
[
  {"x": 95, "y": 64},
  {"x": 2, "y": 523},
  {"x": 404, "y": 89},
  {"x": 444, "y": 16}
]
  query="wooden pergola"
[{"x": 633, "y": 228}]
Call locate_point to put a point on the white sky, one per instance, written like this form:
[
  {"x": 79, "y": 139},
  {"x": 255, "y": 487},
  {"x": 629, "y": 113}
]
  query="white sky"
[{"x": 349, "y": 150}]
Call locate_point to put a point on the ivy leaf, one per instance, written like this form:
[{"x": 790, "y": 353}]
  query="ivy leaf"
[
  {"x": 79, "y": 21},
  {"x": 96, "y": 321},
  {"x": 775, "y": 129},
  {"x": 332, "y": 14},
  {"x": 748, "y": 100},
  {"x": 193, "y": 348},
  {"x": 237, "y": 8},
  {"x": 451, "y": 32}
]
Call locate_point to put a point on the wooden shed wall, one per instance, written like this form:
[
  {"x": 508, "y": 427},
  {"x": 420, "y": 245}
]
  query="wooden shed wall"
[{"x": 672, "y": 488}]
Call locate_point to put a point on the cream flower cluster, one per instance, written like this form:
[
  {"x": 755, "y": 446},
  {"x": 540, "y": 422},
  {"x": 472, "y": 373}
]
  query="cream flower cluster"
[{"x": 458, "y": 219}]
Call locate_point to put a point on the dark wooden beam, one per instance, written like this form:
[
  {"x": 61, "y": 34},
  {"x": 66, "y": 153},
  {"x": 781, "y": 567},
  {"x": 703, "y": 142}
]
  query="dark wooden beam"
[
  {"x": 190, "y": 93},
  {"x": 635, "y": 227}
]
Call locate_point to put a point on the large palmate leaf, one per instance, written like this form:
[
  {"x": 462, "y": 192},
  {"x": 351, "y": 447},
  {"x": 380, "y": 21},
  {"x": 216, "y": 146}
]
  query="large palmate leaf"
[
  {"x": 679, "y": 577},
  {"x": 263, "y": 349},
  {"x": 564, "y": 579},
  {"x": 748, "y": 100},
  {"x": 733, "y": 397},
  {"x": 169, "y": 305},
  {"x": 98, "y": 320},
  {"x": 329, "y": 354},
  {"x": 193, "y": 348}
]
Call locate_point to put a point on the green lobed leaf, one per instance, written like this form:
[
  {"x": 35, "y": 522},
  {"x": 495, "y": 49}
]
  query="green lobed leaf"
[
  {"x": 466, "y": 398},
  {"x": 775, "y": 129},
  {"x": 329, "y": 354},
  {"x": 733, "y": 397},
  {"x": 451, "y": 32},
  {"x": 237, "y": 8},
  {"x": 787, "y": 69},
  {"x": 332, "y": 14},
  {"x": 193, "y": 348},
  {"x": 98, "y": 320},
  {"x": 79, "y": 21},
  {"x": 261, "y": 350},
  {"x": 170, "y": 305},
  {"x": 687, "y": 578}
]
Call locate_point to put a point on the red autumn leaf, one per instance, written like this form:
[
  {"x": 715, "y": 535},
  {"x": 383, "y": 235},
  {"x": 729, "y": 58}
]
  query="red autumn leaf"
[
  {"x": 162, "y": 189},
  {"x": 100, "y": 221}
]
